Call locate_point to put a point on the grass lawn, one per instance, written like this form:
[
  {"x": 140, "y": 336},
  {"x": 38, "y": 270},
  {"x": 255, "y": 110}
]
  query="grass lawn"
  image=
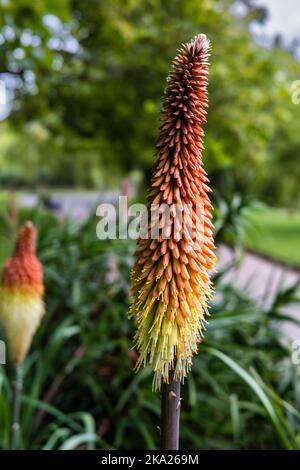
[{"x": 275, "y": 232}]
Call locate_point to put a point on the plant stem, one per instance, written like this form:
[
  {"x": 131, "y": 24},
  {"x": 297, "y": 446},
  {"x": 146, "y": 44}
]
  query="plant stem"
[
  {"x": 15, "y": 429},
  {"x": 170, "y": 413}
]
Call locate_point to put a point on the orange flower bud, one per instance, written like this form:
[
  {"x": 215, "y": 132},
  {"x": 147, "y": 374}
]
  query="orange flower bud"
[{"x": 21, "y": 295}]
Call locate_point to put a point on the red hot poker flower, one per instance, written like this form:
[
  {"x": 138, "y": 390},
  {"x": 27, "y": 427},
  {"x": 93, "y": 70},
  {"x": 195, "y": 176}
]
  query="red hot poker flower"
[
  {"x": 170, "y": 279},
  {"x": 21, "y": 294}
]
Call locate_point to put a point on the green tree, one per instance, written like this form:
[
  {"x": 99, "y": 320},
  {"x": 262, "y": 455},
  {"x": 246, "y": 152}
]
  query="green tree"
[{"x": 92, "y": 74}]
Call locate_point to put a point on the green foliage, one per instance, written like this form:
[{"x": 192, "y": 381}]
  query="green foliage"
[
  {"x": 80, "y": 390},
  {"x": 233, "y": 207}
]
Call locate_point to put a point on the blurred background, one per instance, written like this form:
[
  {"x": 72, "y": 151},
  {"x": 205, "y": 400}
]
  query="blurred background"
[{"x": 81, "y": 84}]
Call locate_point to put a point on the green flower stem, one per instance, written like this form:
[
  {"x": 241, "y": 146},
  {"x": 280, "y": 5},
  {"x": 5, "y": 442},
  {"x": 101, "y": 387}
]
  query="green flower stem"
[
  {"x": 16, "y": 405},
  {"x": 170, "y": 414}
]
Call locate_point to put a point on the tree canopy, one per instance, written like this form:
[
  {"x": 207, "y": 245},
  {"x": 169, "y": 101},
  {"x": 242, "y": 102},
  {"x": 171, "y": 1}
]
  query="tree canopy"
[{"x": 88, "y": 77}]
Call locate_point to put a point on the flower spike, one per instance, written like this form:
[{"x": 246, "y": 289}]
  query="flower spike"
[
  {"x": 21, "y": 294},
  {"x": 170, "y": 279}
]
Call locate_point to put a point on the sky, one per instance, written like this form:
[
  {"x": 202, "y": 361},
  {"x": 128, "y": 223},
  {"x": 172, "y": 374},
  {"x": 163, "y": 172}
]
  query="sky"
[{"x": 284, "y": 18}]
